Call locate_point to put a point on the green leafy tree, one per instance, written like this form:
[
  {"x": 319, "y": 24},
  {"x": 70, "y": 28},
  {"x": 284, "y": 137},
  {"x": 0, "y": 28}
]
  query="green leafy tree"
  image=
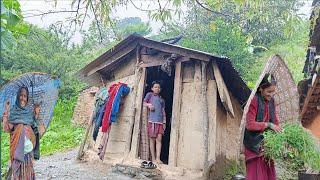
[
  {"x": 11, "y": 23},
  {"x": 44, "y": 51},
  {"x": 262, "y": 19},
  {"x": 127, "y": 26}
]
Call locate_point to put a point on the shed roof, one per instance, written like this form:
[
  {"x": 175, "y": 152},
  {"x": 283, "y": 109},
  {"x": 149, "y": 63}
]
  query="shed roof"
[
  {"x": 112, "y": 58},
  {"x": 311, "y": 97}
]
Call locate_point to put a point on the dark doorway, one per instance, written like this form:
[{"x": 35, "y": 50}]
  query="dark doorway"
[{"x": 167, "y": 85}]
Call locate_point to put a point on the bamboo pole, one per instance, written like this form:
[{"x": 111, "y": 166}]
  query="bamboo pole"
[{"x": 81, "y": 152}]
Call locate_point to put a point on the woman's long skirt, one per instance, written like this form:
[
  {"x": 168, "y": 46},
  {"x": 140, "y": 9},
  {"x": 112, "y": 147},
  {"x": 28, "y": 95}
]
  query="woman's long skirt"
[{"x": 23, "y": 170}]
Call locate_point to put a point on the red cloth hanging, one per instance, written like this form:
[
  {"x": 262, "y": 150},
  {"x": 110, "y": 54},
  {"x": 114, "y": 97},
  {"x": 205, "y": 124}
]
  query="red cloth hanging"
[{"x": 106, "y": 117}]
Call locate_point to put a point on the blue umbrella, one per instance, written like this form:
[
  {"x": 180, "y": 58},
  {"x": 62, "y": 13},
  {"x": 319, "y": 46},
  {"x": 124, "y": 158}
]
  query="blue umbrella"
[{"x": 43, "y": 91}]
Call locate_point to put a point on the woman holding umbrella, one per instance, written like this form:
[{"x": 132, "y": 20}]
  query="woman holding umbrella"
[
  {"x": 22, "y": 124},
  {"x": 22, "y": 118}
]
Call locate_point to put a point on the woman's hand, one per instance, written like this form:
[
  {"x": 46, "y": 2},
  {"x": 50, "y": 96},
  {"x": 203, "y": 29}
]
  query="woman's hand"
[
  {"x": 276, "y": 128},
  {"x": 6, "y": 125},
  {"x": 42, "y": 129},
  {"x": 37, "y": 111}
]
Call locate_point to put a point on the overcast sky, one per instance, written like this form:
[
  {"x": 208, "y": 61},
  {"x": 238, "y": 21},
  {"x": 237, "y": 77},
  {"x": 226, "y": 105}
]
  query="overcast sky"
[{"x": 37, "y": 6}]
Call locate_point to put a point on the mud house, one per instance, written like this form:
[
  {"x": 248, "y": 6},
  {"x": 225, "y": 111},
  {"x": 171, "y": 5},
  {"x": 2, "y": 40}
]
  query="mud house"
[
  {"x": 84, "y": 106},
  {"x": 204, "y": 97}
]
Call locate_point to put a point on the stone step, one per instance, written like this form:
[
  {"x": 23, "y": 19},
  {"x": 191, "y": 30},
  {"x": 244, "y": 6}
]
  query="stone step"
[{"x": 136, "y": 172}]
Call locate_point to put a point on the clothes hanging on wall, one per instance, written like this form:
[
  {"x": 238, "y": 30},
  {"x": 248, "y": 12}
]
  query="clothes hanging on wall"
[
  {"x": 116, "y": 92},
  {"x": 101, "y": 98},
  {"x": 111, "y": 110},
  {"x": 168, "y": 64}
]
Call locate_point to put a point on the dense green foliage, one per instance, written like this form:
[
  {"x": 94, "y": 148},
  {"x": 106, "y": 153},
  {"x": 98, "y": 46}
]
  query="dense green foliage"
[
  {"x": 61, "y": 134},
  {"x": 292, "y": 50},
  {"x": 263, "y": 20},
  {"x": 51, "y": 51},
  {"x": 44, "y": 51},
  {"x": 294, "y": 146},
  {"x": 225, "y": 38},
  {"x": 11, "y": 23}
]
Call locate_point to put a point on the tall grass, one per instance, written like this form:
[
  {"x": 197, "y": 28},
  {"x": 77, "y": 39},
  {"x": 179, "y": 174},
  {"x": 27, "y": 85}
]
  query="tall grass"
[{"x": 60, "y": 136}]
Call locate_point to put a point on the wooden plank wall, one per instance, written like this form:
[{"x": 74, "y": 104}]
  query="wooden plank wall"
[
  {"x": 212, "y": 113},
  {"x": 121, "y": 131},
  {"x": 211, "y": 132},
  {"x": 233, "y": 124},
  {"x": 191, "y": 129},
  {"x": 175, "y": 122}
]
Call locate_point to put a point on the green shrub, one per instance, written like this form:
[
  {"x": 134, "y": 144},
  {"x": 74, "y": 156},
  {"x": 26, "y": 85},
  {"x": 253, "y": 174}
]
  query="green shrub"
[{"x": 294, "y": 147}]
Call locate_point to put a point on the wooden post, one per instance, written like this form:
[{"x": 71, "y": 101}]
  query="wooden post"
[
  {"x": 175, "y": 121},
  {"x": 133, "y": 110},
  {"x": 136, "y": 128},
  {"x": 83, "y": 143},
  {"x": 212, "y": 116},
  {"x": 137, "y": 76},
  {"x": 204, "y": 108},
  {"x": 144, "y": 150},
  {"x": 197, "y": 71}
]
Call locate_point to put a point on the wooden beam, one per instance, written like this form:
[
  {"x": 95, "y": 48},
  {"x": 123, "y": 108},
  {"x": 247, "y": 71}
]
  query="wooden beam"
[
  {"x": 83, "y": 143},
  {"x": 204, "y": 104},
  {"x": 138, "y": 54},
  {"x": 212, "y": 115},
  {"x": 184, "y": 59},
  {"x": 144, "y": 138},
  {"x": 223, "y": 90},
  {"x": 314, "y": 104},
  {"x": 308, "y": 98},
  {"x": 175, "y": 120},
  {"x": 156, "y": 63},
  {"x": 137, "y": 77},
  {"x": 111, "y": 60},
  {"x": 174, "y": 49},
  {"x": 136, "y": 129},
  {"x": 197, "y": 71}
]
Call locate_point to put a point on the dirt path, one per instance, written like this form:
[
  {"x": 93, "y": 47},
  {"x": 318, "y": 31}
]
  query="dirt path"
[{"x": 64, "y": 166}]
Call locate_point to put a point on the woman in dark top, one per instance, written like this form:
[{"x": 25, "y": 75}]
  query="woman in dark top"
[{"x": 260, "y": 117}]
